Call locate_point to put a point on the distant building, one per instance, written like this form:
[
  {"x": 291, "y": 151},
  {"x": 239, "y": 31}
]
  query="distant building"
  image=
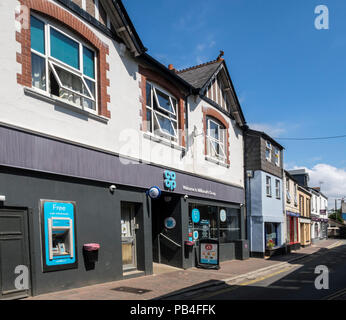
[{"x": 343, "y": 210}]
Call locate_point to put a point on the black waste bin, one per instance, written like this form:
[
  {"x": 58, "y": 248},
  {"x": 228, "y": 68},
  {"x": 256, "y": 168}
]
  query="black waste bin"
[{"x": 241, "y": 249}]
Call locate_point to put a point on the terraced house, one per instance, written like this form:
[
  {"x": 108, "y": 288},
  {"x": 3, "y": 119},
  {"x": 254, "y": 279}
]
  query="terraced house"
[
  {"x": 92, "y": 130},
  {"x": 264, "y": 193}
]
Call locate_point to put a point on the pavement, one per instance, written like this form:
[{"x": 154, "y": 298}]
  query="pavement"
[{"x": 168, "y": 282}]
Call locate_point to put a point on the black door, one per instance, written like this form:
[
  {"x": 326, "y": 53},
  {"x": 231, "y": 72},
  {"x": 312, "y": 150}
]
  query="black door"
[{"x": 14, "y": 254}]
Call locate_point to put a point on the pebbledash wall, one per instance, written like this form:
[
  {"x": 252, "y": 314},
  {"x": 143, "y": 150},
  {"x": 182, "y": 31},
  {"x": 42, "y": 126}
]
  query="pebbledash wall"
[{"x": 52, "y": 151}]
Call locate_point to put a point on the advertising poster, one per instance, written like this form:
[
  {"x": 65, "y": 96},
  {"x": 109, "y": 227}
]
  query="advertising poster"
[{"x": 209, "y": 254}]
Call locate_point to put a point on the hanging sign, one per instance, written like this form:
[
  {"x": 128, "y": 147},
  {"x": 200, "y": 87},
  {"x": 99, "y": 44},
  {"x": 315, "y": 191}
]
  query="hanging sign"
[
  {"x": 195, "y": 215},
  {"x": 154, "y": 192},
  {"x": 170, "y": 223},
  {"x": 223, "y": 215}
]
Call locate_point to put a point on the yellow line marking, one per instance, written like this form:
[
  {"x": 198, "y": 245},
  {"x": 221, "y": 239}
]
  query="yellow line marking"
[{"x": 244, "y": 284}]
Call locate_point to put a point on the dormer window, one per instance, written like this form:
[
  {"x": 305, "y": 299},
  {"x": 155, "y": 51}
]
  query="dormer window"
[
  {"x": 161, "y": 112},
  {"x": 216, "y": 139},
  {"x": 63, "y": 66},
  {"x": 268, "y": 151}
]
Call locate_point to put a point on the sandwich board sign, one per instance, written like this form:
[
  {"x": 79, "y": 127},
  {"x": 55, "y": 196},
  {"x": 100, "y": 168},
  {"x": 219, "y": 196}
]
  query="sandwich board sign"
[{"x": 209, "y": 254}]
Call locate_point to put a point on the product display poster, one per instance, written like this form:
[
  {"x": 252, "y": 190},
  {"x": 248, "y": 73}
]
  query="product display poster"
[{"x": 209, "y": 253}]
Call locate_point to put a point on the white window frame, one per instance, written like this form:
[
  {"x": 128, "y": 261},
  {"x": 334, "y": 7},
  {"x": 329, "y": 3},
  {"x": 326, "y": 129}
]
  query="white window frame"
[
  {"x": 211, "y": 139},
  {"x": 269, "y": 186},
  {"x": 51, "y": 61},
  {"x": 277, "y": 156},
  {"x": 172, "y": 116},
  {"x": 277, "y": 189},
  {"x": 268, "y": 147},
  {"x": 288, "y": 194}
]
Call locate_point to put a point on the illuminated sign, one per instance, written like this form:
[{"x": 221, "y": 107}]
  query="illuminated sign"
[{"x": 170, "y": 180}]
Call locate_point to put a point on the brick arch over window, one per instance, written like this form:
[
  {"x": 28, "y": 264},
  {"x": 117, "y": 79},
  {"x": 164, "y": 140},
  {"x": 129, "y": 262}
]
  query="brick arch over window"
[
  {"x": 53, "y": 11},
  {"x": 149, "y": 75},
  {"x": 212, "y": 113}
]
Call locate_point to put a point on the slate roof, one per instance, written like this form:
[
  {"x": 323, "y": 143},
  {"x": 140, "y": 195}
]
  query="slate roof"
[{"x": 197, "y": 76}]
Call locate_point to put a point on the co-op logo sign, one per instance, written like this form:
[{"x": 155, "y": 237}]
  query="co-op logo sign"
[{"x": 169, "y": 180}]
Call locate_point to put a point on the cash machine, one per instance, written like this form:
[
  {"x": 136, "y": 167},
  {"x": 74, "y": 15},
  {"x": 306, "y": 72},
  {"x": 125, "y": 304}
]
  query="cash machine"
[{"x": 58, "y": 234}]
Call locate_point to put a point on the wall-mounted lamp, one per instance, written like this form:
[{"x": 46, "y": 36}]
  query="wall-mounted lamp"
[{"x": 185, "y": 197}]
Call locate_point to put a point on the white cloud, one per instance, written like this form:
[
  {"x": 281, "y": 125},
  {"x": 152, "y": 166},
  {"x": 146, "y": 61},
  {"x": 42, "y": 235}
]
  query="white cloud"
[
  {"x": 333, "y": 181},
  {"x": 274, "y": 131}
]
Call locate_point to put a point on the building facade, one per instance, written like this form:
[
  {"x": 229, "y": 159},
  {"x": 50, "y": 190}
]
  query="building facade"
[
  {"x": 319, "y": 206},
  {"x": 90, "y": 123},
  {"x": 264, "y": 194},
  {"x": 305, "y": 216},
  {"x": 292, "y": 211}
]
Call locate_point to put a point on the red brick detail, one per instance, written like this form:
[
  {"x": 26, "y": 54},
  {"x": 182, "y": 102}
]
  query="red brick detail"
[
  {"x": 53, "y": 11},
  {"x": 212, "y": 113},
  {"x": 154, "y": 77}
]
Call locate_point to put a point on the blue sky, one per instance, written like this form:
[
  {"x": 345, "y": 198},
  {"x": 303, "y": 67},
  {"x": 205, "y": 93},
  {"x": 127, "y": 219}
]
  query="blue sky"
[{"x": 290, "y": 77}]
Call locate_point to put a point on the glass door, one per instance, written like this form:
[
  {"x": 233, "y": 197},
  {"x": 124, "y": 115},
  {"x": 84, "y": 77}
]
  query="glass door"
[{"x": 128, "y": 236}]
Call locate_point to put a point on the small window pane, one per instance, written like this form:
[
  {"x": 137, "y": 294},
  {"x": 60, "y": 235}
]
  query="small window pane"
[
  {"x": 149, "y": 120},
  {"x": 164, "y": 101},
  {"x": 38, "y": 71},
  {"x": 37, "y": 35},
  {"x": 71, "y": 81},
  {"x": 64, "y": 48},
  {"x": 148, "y": 94},
  {"x": 213, "y": 130},
  {"x": 88, "y": 63},
  {"x": 166, "y": 125}
]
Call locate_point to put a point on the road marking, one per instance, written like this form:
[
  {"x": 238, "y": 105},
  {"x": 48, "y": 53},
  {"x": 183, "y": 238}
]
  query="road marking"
[
  {"x": 335, "y": 295},
  {"x": 236, "y": 286},
  {"x": 336, "y": 244}
]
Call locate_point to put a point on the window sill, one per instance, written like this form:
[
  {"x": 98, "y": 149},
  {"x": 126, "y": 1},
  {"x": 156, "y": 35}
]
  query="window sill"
[
  {"x": 152, "y": 137},
  {"x": 54, "y": 100},
  {"x": 216, "y": 161}
]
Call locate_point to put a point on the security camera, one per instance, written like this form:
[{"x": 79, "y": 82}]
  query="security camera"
[
  {"x": 112, "y": 188},
  {"x": 186, "y": 196}
]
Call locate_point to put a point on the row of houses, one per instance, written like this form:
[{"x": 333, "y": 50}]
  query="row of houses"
[{"x": 105, "y": 150}]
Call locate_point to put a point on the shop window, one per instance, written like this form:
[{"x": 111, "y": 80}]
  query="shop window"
[
  {"x": 229, "y": 225},
  {"x": 221, "y": 223},
  {"x": 63, "y": 66},
  {"x": 162, "y": 113},
  {"x": 271, "y": 234},
  {"x": 216, "y": 139}
]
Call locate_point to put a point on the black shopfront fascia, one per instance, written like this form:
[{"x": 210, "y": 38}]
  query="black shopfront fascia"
[{"x": 227, "y": 250}]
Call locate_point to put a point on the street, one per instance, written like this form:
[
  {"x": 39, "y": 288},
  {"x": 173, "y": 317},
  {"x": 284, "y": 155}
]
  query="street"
[{"x": 291, "y": 282}]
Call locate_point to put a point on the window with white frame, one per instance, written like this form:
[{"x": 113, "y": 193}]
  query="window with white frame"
[
  {"x": 277, "y": 156},
  {"x": 288, "y": 194},
  {"x": 216, "y": 139},
  {"x": 278, "y": 189},
  {"x": 162, "y": 113},
  {"x": 62, "y": 65},
  {"x": 269, "y": 186},
  {"x": 295, "y": 195},
  {"x": 268, "y": 151}
]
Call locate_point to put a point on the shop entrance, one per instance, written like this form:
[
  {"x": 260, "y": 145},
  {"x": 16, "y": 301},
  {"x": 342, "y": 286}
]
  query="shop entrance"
[
  {"x": 14, "y": 254},
  {"x": 128, "y": 236},
  {"x": 166, "y": 230}
]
